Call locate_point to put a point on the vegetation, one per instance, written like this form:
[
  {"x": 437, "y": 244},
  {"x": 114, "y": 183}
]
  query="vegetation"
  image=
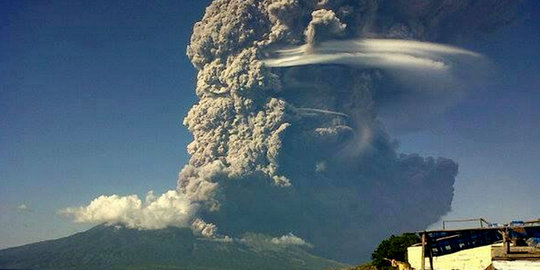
[
  {"x": 395, "y": 248},
  {"x": 368, "y": 266}
]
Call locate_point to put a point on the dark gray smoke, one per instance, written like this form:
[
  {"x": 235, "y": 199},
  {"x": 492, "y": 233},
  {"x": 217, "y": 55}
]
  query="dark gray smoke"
[{"x": 299, "y": 149}]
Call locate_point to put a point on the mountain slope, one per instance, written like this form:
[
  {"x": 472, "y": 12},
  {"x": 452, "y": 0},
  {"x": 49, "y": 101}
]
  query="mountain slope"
[{"x": 115, "y": 247}]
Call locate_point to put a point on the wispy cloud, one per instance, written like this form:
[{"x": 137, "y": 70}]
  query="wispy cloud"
[{"x": 375, "y": 53}]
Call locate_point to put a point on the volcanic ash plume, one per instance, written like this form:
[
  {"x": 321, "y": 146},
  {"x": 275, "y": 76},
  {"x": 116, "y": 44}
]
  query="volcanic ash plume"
[
  {"x": 297, "y": 147},
  {"x": 286, "y": 135}
]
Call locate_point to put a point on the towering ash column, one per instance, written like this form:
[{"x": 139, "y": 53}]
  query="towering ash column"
[{"x": 299, "y": 148}]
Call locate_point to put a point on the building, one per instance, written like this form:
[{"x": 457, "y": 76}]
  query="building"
[{"x": 513, "y": 246}]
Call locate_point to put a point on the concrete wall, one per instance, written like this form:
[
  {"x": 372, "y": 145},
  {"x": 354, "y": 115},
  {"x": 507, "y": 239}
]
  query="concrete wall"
[
  {"x": 470, "y": 259},
  {"x": 516, "y": 265}
]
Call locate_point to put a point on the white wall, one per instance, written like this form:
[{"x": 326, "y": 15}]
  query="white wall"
[{"x": 470, "y": 259}]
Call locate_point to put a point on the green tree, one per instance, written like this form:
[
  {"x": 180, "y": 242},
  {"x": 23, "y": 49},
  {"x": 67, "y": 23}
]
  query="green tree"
[{"x": 395, "y": 248}]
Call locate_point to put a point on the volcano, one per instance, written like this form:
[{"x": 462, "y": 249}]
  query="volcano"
[{"x": 116, "y": 247}]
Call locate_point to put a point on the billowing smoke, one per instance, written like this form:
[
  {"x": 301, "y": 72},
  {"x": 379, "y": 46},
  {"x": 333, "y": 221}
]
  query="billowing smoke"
[
  {"x": 296, "y": 133},
  {"x": 296, "y": 148},
  {"x": 170, "y": 209}
]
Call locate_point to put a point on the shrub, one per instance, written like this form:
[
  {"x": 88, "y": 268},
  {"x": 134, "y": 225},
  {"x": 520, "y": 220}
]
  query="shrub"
[{"x": 395, "y": 248}]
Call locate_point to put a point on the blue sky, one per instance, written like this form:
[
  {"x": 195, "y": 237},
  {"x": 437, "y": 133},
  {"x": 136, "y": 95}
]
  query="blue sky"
[
  {"x": 92, "y": 100},
  {"x": 92, "y": 96}
]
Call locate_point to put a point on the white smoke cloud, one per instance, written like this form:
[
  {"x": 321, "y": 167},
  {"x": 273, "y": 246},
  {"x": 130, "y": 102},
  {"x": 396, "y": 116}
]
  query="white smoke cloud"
[
  {"x": 289, "y": 240},
  {"x": 23, "y": 208},
  {"x": 205, "y": 229},
  {"x": 169, "y": 209},
  {"x": 265, "y": 242},
  {"x": 372, "y": 53}
]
